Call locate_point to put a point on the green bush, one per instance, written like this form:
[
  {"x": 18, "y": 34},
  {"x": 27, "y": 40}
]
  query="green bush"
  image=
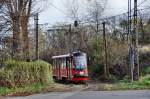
[
  {"x": 145, "y": 80},
  {"x": 112, "y": 78},
  {"x": 146, "y": 70},
  {"x": 18, "y": 73},
  {"x": 126, "y": 79}
]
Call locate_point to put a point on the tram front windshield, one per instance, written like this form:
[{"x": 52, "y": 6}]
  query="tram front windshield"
[{"x": 80, "y": 62}]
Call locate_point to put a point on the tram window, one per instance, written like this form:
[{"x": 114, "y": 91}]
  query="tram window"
[
  {"x": 67, "y": 63},
  {"x": 73, "y": 63},
  {"x": 64, "y": 63},
  {"x": 55, "y": 64},
  {"x": 59, "y": 66},
  {"x": 59, "y": 63},
  {"x": 80, "y": 62},
  {"x": 61, "y": 60},
  {"x": 70, "y": 65}
]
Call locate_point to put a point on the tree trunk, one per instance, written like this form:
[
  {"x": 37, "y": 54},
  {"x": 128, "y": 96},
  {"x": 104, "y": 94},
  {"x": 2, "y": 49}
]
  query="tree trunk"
[
  {"x": 16, "y": 46},
  {"x": 25, "y": 38}
]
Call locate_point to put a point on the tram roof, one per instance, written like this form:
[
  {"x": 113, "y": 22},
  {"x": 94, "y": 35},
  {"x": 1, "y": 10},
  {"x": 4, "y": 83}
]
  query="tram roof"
[
  {"x": 61, "y": 56},
  {"x": 66, "y": 55}
]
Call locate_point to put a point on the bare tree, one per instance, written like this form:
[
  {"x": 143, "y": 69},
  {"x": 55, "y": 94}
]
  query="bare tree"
[
  {"x": 95, "y": 11},
  {"x": 73, "y": 9},
  {"x": 17, "y": 14}
]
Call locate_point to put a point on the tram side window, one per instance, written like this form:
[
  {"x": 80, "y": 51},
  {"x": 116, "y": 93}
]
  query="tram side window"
[
  {"x": 58, "y": 63},
  {"x": 55, "y": 64},
  {"x": 69, "y": 63},
  {"x": 61, "y": 66},
  {"x": 64, "y": 63},
  {"x": 73, "y": 63}
]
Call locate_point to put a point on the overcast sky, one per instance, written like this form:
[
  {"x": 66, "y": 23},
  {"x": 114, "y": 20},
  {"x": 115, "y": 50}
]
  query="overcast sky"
[{"x": 52, "y": 15}]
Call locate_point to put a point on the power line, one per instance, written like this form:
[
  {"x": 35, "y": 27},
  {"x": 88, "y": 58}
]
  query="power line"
[
  {"x": 106, "y": 17},
  {"x": 107, "y": 9},
  {"x": 142, "y": 3},
  {"x": 58, "y": 9}
]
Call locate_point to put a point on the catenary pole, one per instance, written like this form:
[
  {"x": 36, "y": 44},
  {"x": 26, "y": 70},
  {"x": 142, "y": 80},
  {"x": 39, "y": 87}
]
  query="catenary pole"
[
  {"x": 136, "y": 36},
  {"x": 37, "y": 36}
]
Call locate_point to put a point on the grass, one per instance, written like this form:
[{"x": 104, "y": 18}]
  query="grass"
[
  {"x": 143, "y": 83},
  {"x": 33, "y": 89},
  {"x": 146, "y": 71},
  {"x": 123, "y": 86},
  {"x": 24, "y": 90}
]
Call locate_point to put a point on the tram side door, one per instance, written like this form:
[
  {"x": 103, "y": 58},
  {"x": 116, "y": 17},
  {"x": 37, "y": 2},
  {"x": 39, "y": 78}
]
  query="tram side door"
[
  {"x": 58, "y": 68},
  {"x": 69, "y": 68}
]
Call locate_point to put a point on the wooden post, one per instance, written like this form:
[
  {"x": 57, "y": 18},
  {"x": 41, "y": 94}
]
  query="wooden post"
[
  {"x": 136, "y": 36},
  {"x": 105, "y": 49}
]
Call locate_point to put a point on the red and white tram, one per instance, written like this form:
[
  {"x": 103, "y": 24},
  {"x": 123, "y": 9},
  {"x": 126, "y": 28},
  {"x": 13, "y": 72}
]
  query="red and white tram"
[{"x": 72, "y": 67}]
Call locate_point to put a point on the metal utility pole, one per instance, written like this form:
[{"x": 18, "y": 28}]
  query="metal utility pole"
[
  {"x": 37, "y": 36},
  {"x": 105, "y": 49},
  {"x": 133, "y": 41},
  {"x": 129, "y": 20},
  {"x": 70, "y": 50},
  {"x": 131, "y": 49},
  {"x": 136, "y": 40}
]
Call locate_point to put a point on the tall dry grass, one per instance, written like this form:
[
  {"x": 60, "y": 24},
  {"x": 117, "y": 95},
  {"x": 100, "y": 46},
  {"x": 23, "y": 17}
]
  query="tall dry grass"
[{"x": 18, "y": 73}]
